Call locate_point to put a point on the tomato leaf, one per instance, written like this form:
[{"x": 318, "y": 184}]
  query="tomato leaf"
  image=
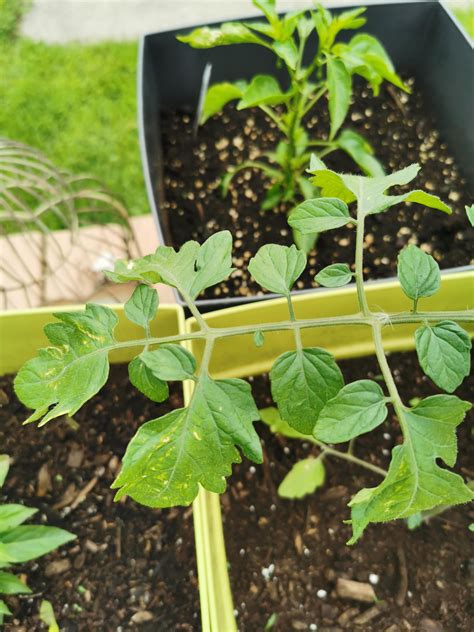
[
  {"x": 304, "y": 478},
  {"x": 335, "y": 275},
  {"x": 276, "y": 268},
  {"x": 319, "y": 215},
  {"x": 418, "y": 273}
]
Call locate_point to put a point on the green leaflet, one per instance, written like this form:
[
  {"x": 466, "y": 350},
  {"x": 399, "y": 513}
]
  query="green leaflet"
[
  {"x": 358, "y": 408},
  {"x": 4, "y": 467},
  {"x": 335, "y": 275},
  {"x": 81, "y": 342},
  {"x": 418, "y": 273},
  {"x": 143, "y": 379},
  {"x": 258, "y": 338},
  {"x": 304, "y": 478},
  {"x": 3, "y": 610},
  {"x": 360, "y": 151},
  {"x": 276, "y": 268},
  {"x": 28, "y": 542},
  {"x": 303, "y": 381},
  {"x": 262, "y": 90},
  {"x": 370, "y": 192},
  {"x": 268, "y": 8},
  {"x": 415, "y": 482},
  {"x": 170, "y": 362},
  {"x": 46, "y": 614},
  {"x": 14, "y": 515},
  {"x": 142, "y": 306},
  {"x": 319, "y": 215},
  {"x": 12, "y": 585},
  {"x": 444, "y": 353},
  {"x": 287, "y": 51},
  {"x": 170, "y": 457},
  {"x": 271, "y": 417},
  {"x": 339, "y": 93},
  {"x": 191, "y": 270},
  {"x": 470, "y": 213},
  {"x": 218, "y": 96},
  {"x": 228, "y": 33}
]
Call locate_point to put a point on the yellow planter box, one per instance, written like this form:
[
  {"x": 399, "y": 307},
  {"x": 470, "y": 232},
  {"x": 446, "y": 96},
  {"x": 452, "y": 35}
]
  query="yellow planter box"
[{"x": 239, "y": 357}]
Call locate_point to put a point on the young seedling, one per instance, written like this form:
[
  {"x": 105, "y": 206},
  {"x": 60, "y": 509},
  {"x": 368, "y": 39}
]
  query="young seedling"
[
  {"x": 316, "y": 70},
  {"x": 21, "y": 543},
  {"x": 170, "y": 457}
]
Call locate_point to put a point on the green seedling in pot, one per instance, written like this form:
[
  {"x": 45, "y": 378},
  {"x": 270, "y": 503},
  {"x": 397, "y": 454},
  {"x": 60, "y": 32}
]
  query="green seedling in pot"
[
  {"x": 21, "y": 543},
  {"x": 317, "y": 70},
  {"x": 169, "y": 458}
]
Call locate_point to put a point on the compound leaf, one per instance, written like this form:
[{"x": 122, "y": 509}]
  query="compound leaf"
[
  {"x": 170, "y": 457},
  {"x": 276, "y": 268},
  {"x": 415, "y": 482},
  {"x": 304, "y": 478},
  {"x": 67, "y": 375},
  {"x": 335, "y": 275},
  {"x": 444, "y": 353},
  {"x": 358, "y": 408},
  {"x": 418, "y": 273},
  {"x": 319, "y": 215},
  {"x": 303, "y": 381}
]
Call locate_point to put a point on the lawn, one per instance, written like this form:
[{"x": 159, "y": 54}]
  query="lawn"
[{"x": 77, "y": 104}]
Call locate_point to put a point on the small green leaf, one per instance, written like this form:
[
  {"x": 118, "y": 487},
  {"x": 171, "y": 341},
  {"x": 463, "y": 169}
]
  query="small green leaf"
[
  {"x": 276, "y": 268},
  {"x": 268, "y": 8},
  {"x": 14, "y": 515},
  {"x": 358, "y": 408},
  {"x": 360, "y": 151},
  {"x": 61, "y": 378},
  {"x": 170, "y": 457},
  {"x": 305, "y": 242},
  {"x": 444, "y": 353},
  {"x": 218, "y": 96},
  {"x": 228, "y": 33},
  {"x": 415, "y": 482},
  {"x": 418, "y": 273},
  {"x": 170, "y": 362},
  {"x": 335, "y": 275},
  {"x": 258, "y": 338},
  {"x": 303, "y": 381},
  {"x": 142, "y": 306},
  {"x": 303, "y": 478},
  {"x": 12, "y": 585},
  {"x": 271, "y": 621},
  {"x": 262, "y": 90},
  {"x": 3, "y": 609},
  {"x": 414, "y": 521},
  {"x": 319, "y": 215},
  {"x": 28, "y": 542},
  {"x": 46, "y": 615},
  {"x": 470, "y": 213},
  {"x": 4, "y": 467},
  {"x": 339, "y": 93},
  {"x": 191, "y": 270},
  {"x": 271, "y": 417},
  {"x": 287, "y": 51},
  {"x": 143, "y": 379}
]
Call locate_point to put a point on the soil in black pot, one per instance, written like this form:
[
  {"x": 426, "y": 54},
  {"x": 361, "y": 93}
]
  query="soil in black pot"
[
  {"x": 400, "y": 129},
  {"x": 286, "y": 556},
  {"x": 131, "y": 567}
]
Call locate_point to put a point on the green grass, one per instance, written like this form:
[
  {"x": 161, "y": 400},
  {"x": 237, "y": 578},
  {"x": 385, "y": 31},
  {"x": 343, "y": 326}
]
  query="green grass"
[
  {"x": 77, "y": 104},
  {"x": 466, "y": 17}
]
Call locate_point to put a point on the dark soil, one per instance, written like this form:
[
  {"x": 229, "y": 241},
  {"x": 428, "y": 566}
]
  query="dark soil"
[
  {"x": 400, "y": 129},
  {"x": 131, "y": 567},
  {"x": 425, "y": 577}
]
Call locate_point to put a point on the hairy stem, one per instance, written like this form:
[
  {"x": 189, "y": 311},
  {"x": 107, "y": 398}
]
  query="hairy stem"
[
  {"x": 359, "y": 265},
  {"x": 296, "y": 330},
  {"x": 347, "y": 456}
]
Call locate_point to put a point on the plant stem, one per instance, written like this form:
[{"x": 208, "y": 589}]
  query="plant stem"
[
  {"x": 347, "y": 456},
  {"x": 296, "y": 330},
  {"x": 271, "y": 114},
  {"x": 359, "y": 264}
]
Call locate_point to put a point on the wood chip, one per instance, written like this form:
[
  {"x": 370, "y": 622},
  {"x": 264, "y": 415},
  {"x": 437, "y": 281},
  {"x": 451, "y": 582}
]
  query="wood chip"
[
  {"x": 429, "y": 625},
  {"x": 44, "y": 484},
  {"x": 370, "y": 614},
  {"x": 82, "y": 495},
  {"x": 347, "y": 616},
  {"x": 298, "y": 544},
  {"x": 358, "y": 591},
  {"x": 67, "y": 497},
  {"x": 142, "y": 616},
  {"x": 57, "y": 567},
  {"x": 75, "y": 457}
]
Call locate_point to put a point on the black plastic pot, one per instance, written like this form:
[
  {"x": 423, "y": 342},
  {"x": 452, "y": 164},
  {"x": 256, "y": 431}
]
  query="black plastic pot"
[{"x": 423, "y": 39}]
